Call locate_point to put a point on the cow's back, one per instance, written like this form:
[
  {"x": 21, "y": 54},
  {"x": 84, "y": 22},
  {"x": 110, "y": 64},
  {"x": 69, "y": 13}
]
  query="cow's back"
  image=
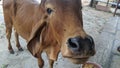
[{"x": 22, "y": 15}]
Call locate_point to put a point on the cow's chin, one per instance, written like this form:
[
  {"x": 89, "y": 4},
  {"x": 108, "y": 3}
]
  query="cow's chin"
[{"x": 78, "y": 60}]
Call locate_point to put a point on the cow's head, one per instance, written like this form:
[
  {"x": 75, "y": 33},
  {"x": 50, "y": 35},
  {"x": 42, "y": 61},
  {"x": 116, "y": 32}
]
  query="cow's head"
[{"x": 62, "y": 25}]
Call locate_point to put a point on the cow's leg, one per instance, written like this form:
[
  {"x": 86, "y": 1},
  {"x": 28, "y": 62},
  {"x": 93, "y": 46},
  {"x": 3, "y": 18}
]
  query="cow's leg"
[
  {"x": 40, "y": 60},
  {"x": 8, "y": 24},
  {"x": 17, "y": 41},
  {"x": 52, "y": 55},
  {"x": 51, "y": 62},
  {"x": 8, "y": 35}
]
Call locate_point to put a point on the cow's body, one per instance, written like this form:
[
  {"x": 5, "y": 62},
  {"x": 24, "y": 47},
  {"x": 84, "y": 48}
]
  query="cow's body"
[
  {"x": 24, "y": 17},
  {"x": 52, "y": 26}
]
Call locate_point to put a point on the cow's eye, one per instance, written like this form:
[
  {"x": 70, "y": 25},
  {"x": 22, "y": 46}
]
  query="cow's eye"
[{"x": 49, "y": 10}]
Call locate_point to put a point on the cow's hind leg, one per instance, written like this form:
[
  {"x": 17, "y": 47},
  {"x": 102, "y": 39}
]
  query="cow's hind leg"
[
  {"x": 8, "y": 35},
  {"x": 17, "y": 41}
]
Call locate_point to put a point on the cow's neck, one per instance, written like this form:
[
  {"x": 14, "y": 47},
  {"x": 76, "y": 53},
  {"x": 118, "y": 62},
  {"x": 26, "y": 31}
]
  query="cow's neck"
[{"x": 50, "y": 37}]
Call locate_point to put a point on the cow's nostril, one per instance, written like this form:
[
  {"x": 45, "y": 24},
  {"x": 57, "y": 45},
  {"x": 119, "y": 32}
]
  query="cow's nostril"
[
  {"x": 72, "y": 43},
  {"x": 90, "y": 39}
]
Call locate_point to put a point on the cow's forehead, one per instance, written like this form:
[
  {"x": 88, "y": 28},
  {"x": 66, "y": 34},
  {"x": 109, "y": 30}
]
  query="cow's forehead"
[{"x": 64, "y": 3}]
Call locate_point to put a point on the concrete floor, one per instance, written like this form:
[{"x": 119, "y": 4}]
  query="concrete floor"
[{"x": 107, "y": 43}]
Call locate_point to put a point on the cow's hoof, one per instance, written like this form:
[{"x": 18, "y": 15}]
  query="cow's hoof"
[
  {"x": 11, "y": 51},
  {"x": 20, "y": 49}
]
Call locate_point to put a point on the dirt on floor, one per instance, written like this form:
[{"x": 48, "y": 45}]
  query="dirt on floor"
[{"x": 94, "y": 21}]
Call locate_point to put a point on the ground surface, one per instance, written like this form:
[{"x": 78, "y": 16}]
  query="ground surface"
[{"x": 96, "y": 23}]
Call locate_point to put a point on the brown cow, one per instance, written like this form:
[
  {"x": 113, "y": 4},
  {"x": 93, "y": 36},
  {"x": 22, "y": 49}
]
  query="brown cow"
[{"x": 51, "y": 26}]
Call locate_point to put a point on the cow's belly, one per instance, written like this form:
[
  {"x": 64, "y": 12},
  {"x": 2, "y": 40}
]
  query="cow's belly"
[
  {"x": 23, "y": 29},
  {"x": 23, "y": 21}
]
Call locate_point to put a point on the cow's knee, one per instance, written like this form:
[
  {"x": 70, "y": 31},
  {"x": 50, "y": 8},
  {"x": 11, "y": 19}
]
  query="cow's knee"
[{"x": 8, "y": 33}]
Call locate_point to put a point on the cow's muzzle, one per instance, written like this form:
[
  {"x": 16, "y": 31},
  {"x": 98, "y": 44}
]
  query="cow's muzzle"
[{"x": 81, "y": 46}]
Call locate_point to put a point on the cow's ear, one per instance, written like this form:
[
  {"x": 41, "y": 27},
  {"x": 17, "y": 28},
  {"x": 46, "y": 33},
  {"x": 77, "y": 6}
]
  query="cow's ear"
[
  {"x": 33, "y": 46},
  {"x": 34, "y": 42}
]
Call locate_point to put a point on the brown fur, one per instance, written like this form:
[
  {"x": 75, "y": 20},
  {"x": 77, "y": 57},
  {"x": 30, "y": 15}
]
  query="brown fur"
[{"x": 44, "y": 32}]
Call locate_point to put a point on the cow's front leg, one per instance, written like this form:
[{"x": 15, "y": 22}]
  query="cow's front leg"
[
  {"x": 52, "y": 54},
  {"x": 40, "y": 60},
  {"x": 51, "y": 62}
]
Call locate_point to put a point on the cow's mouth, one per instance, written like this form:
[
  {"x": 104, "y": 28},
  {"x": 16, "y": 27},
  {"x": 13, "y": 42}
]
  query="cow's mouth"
[{"x": 78, "y": 60}]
